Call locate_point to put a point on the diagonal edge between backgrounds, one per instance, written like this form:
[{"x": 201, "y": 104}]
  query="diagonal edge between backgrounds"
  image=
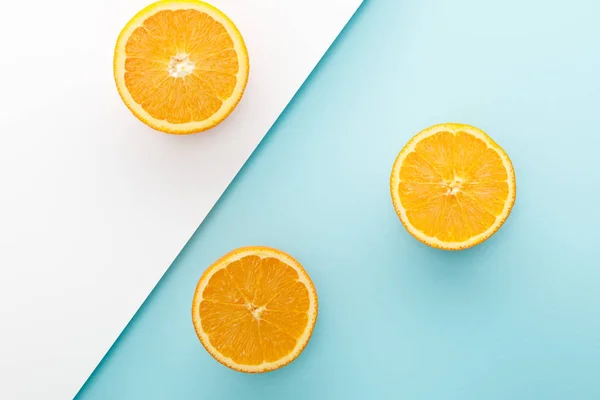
[{"x": 293, "y": 99}]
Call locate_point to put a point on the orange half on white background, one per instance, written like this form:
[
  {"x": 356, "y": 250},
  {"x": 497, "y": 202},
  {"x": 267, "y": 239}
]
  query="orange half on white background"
[{"x": 181, "y": 66}]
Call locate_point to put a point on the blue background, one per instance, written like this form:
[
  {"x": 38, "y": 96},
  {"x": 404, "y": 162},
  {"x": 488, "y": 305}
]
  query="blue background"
[{"x": 514, "y": 318}]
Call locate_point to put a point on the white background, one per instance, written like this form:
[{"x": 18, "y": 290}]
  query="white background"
[{"x": 94, "y": 206}]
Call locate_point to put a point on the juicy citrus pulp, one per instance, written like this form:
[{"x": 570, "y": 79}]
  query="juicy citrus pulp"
[
  {"x": 254, "y": 310},
  {"x": 181, "y": 66},
  {"x": 452, "y": 186}
]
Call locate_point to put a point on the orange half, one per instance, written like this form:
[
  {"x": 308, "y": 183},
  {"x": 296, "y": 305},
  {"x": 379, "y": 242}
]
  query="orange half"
[
  {"x": 452, "y": 186},
  {"x": 254, "y": 310},
  {"x": 181, "y": 66}
]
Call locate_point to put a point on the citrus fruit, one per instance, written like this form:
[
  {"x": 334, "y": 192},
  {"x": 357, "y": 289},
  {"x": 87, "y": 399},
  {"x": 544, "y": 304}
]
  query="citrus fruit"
[
  {"x": 181, "y": 66},
  {"x": 452, "y": 186},
  {"x": 254, "y": 310}
]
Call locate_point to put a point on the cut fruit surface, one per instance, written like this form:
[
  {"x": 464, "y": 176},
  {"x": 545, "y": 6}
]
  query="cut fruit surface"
[
  {"x": 181, "y": 66},
  {"x": 452, "y": 186},
  {"x": 254, "y": 310}
]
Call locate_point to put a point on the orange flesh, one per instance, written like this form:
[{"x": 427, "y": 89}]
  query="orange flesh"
[
  {"x": 163, "y": 42},
  {"x": 453, "y": 187},
  {"x": 255, "y": 310}
]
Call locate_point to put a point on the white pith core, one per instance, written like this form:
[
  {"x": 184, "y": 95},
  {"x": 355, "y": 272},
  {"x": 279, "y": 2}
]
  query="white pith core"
[
  {"x": 454, "y": 186},
  {"x": 180, "y": 65},
  {"x": 254, "y": 310}
]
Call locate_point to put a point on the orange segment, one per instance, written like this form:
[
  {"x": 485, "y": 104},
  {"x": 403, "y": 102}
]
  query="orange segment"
[
  {"x": 281, "y": 289},
  {"x": 438, "y": 151},
  {"x": 224, "y": 323},
  {"x": 292, "y": 323},
  {"x": 489, "y": 194},
  {"x": 254, "y": 310},
  {"x": 452, "y": 186},
  {"x": 418, "y": 170},
  {"x": 181, "y": 66},
  {"x": 277, "y": 344}
]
